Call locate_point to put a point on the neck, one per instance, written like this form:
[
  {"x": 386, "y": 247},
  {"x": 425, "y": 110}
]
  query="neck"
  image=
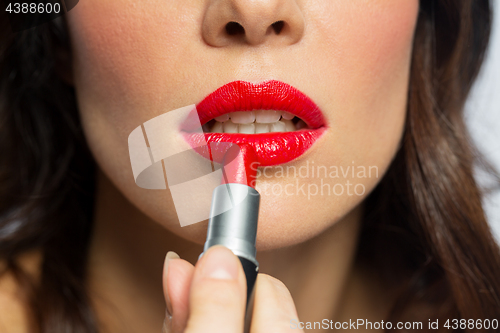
[{"x": 128, "y": 249}]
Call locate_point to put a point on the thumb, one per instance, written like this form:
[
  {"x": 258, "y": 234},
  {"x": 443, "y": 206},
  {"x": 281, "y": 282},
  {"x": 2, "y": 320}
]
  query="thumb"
[
  {"x": 274, "y": 309},
  {"x": 218, "y": 293}
]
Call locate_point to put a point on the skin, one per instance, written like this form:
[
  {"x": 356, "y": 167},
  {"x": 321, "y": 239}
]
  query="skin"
[{"x": 134, "y": 60}]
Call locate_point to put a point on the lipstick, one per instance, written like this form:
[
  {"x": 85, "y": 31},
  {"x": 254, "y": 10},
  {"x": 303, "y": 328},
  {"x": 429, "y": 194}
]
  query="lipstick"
[
  {"x": 240, "y": 163},
  {"x": 235, "y": 210}
]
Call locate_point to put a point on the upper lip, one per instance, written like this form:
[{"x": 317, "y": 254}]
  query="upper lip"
[{"x": 268, "y": 95}]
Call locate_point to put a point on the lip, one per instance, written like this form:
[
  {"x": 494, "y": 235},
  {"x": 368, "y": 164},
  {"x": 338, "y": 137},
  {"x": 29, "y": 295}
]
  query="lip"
[{"x": 271, "y": 148}]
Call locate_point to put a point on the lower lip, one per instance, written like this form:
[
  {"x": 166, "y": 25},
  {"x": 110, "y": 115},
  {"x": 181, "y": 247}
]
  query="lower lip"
[{"x": 271, "y": 148}]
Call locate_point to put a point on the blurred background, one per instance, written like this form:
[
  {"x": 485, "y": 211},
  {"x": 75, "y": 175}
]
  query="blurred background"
[{"x": 483, "y": 118}]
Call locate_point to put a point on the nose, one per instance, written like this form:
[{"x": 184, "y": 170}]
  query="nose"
[{"x": 252, "y": 22}]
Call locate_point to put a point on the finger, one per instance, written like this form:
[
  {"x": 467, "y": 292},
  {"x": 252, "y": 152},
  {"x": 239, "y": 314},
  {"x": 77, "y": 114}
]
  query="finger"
[
  {"x": 177, "y": 276},
  {"x": 218, "y": 292},
  {"x": 274, "y": 308},
  {"x": 170, "y": 255}
]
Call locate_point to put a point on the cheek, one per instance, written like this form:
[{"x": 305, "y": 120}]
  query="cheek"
[
  {"x": 129, "y": 59},
  {"x": 370, "y": 44},
  {"x": 379, "y": 68},
  {"x": 131, "y": 64}
]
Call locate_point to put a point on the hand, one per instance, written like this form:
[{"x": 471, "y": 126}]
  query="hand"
[{"x": 210, "y": 298}]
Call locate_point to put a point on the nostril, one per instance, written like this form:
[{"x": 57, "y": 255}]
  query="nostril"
[
  {"x": 278, "y": 26},
  {"x": 234, "y": 28}
]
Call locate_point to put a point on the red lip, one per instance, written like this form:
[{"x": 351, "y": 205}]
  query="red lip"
[{"x": 271, "y": 148}]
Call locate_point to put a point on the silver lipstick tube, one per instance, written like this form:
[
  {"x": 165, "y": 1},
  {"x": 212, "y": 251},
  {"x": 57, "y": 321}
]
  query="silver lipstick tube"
[{"x": 233, "y": 223}]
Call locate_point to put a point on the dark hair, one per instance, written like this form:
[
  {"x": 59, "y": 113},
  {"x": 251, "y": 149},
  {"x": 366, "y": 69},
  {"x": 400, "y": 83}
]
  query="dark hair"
[
  {"x": 46, "y": 177},
  {"x": 425, "y": 230},
  {"x": 424, "y": 222}
]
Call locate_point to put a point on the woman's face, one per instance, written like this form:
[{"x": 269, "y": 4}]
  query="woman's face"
[{"x": 134, "y": 60}]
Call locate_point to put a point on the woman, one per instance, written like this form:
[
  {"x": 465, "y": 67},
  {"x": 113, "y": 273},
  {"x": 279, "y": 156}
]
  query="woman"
[{"x": 83, "y": 247}]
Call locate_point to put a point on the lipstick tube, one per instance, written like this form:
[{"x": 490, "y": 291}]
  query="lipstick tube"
[
  {"x": 235, "y": 210},
  {"x": 236, "y": 228}
]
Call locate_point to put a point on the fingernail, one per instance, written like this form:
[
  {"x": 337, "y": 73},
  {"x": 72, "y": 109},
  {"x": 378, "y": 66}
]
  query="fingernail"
[
  {"x": 170, "y": 255},
  {"x": 220, "y": 264}
]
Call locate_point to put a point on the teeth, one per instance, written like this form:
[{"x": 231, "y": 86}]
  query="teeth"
[
  {"x": 267, "y": 116},
  {"x": 247, "y": 128},
  {"x": 278, "y": 126},
  {"x": 242, "y": 117},
  {"x": 256, "y": 122},
  {"x": 230, "y": 127},
  {"x": 289, "y": 126},
  {"x": 262, "y": 128},
  {"x": 217, "y": 128},
  {"x": 223, "y": 118},
  {"x": 285, "y": 115}
]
